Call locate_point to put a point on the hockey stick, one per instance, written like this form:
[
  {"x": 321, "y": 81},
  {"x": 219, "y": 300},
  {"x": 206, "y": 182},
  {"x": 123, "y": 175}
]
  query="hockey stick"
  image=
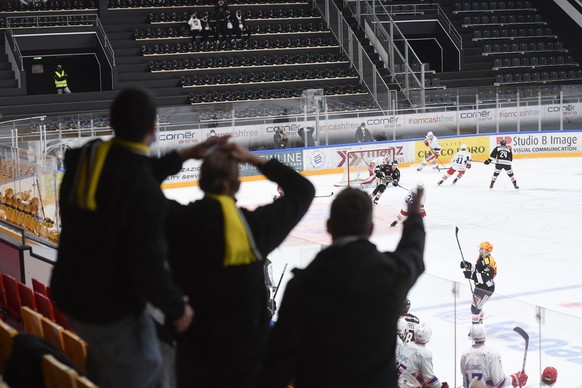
[
  {"x": 462, "y": 256},
  {"x": 279, "y": 283},
  {"x": 438, "y": 160},
  {"x": 324, "y": 196},
  {"x": 402, "y": 187},
  {"x": 525, "y": 336}
]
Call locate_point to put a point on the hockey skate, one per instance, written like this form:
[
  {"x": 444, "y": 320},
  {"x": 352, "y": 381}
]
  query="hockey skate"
[
  {"x": 441, "y": 182},
  {"x": 515, "y": 185},
  {"x": 419, "y": 168},
  {"x": 375, "y": 201},
  {"x": 455, "y": 180},
  {"x": 491, "y": 185},
  {"x": 393, "y": 224}
]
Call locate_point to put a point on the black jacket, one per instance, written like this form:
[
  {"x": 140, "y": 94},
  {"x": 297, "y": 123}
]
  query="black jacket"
[
  {"x": 229, "y": 328},
  {"x": 114, "y": 259},
  {"x": 337, "y": 321}
]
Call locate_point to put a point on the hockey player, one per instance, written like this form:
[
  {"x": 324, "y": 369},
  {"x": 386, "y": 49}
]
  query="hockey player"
[
  {"x": 403, "y": 213},
  {"x": 382, "y": 160},
  {"x": 549, "y": 377},
  {"x": 482, "y": 274},
  {"x": 414, "y": 366},
  {"x": 502, "y": 156},
  {"x": 410, "y": 322},
  {"x": 460, "y": 162},
  {"x": 385, "y": 174},
  {"x": 434, "y": 150},
  {"x": 481, "y": 362}
]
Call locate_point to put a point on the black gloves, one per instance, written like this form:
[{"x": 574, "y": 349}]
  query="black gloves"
[
  {"x": 465, "y": 265},
  {"x": 487, "y": 161},
  {"x": 394, "y": 183}
]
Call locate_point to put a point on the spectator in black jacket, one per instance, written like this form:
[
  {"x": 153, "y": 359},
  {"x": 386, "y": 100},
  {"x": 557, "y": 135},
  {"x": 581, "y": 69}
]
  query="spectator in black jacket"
[
  {"x": 338, "y": 316},
  {"x": 363, "y": 134},
  {"x": 112, "y": 251},
  {"x": 224, "y": 275}
]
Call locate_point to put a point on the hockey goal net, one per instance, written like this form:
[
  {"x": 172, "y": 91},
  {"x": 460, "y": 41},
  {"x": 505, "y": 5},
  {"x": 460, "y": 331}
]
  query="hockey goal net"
[{"x": 358, "y": 164}]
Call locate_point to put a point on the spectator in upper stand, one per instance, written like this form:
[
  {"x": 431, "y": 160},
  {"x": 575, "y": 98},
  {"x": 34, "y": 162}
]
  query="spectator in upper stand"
[
  {"x": 228, "y": 29},
  {"x": 220, "y": 8},
  {"x": 363, "y": 135},
  {"x": 306, "y": 134},
  {"x": 206, "y": 30},
  {"x": 241, "y": 27},
  {"x": 195, "y": 26},
  {"x": 60, "y": 78}
]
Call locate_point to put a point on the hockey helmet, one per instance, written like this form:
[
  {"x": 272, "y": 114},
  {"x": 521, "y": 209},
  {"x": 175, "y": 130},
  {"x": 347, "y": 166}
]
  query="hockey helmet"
[
  {"x": 503, "y": 142},
  {"x": 395, "y": 163},
  {"x": 405, "y": 307},
  {"x": 420, "y": 184},
  {"x": 550, "y": 375},
  {"x": 422, "y": 333},
  {"x": 429, "y": 134},
  {"x": 401, "y": 327},
  {"x": 487, "y": 246},
  {"x": 463, "y": 147},
  {"x": 478, "y": 332}
]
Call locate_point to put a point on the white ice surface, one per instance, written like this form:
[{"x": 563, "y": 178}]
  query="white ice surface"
[{"x": 537, "y": 244}]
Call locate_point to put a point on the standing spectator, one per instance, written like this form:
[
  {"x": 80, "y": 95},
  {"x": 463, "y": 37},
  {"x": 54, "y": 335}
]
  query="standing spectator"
[
  {"x": 280, "y": 138},
  {"x": 481, "y": 362},
  {"x": 434, "y": 150},
  {"x": 414, "y": 365},
  {"x": 206, "y": 27},
  {"x": 220, "y": 8},
  {"x": 482, "y": 274},
  {"x": 195, "y": 26},
  {"x": 338, "y": 316},
  {"x": 503, "y": 157},
  {"x": 60, "y": 78},
  {"x": 549, "y": 377},
  {"x": 229, "y": 25},
  {"x": 306, "y": 134},
  {"x": 460, "y": 162},
  {"x": 241, "y": 28},
  {"x": 224, "y": 275},
  {"x": 111, "y": 193},
  {"x": 363, "y": 135}
]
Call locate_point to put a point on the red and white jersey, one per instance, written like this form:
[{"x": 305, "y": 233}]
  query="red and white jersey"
[
  {"x": 432, "y": 143},
  {"x": 481, "y": 362},
  {"x": 408, "y": 200},
  {"x": 460, "y": 160},
  {"x": 414, "y": 367},
  {"x": 399, "y": 346}
]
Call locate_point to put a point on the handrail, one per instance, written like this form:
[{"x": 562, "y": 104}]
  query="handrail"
[
  {"x": 15, "y": 49},
  {"x": 106, "y": 43}
]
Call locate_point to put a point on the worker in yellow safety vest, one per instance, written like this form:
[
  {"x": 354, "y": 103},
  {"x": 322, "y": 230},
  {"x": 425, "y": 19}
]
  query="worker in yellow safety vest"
[{"x": 61, "y": 80}]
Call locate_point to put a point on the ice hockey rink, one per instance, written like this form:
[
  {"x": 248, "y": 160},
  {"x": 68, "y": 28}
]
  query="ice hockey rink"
[{"x": 537, "y": 243}]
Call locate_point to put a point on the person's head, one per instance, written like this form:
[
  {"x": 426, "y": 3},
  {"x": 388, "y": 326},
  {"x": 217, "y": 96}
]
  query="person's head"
[
  {"x": 59, "y": 67},
  {"x": 503, "y": 142},
  {"x": 430, "y": 135},
  {"x": 550, "y": 375},
  {"x": 362, "y": 125},
  {"x": 478, "y": 333},
  {"x": 405, "y": 307},
  {"x": 212, "y": 133},
  {"x": 463, "y": 147},
  {"x": 401, "y": 327},
  {"x": 133, "y": 114},
  {"x": 422, "y": 333},
  {"x": 485, "y": 248},
  {"x": 350, "y": 214},
  {"x": 219, "y": 174},
  {"x": 194, "y": 15},
  {"x": 395, "y": 165}
]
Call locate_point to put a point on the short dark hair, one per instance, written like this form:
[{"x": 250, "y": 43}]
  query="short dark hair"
[
  {"x": 133, "y": 112},
  {"x": 350, "y": 214},
  {"x": 218, "y": 169}
]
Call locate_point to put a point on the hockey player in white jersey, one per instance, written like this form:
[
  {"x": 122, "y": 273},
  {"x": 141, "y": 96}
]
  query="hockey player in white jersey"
[
  {"x": 410, "y": 323},
  {"x": 481, "y": 362},
  {"x": 434, "y": 150},
  {"x": 460, "y": 162},
  {"x": 404, "y": 210},
  {"x": 414, "y": 366}
]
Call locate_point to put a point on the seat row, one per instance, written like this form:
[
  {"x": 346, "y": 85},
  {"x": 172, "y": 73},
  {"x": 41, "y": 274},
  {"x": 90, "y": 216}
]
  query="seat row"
[
  {"x": 527, "y": 18},
  {"x": 262, "y": 93},
  {"x": 468, "y": 6},
  {"x": 239, "y": 61},
  {"x": 502, "y": 33},
  {"x": 48, "y": 21},
  {"x": 165, "y": 17},
  {"x": 216, "y": 46},
  {"x": 265, "y": 76},
  {"x": 182, "y": 3},
  {"x": 523, "y": 47},
  {"x": 536, "y": 61},
  {"x": 50, "y": 5},
  {"x": 538, "y": 76}
]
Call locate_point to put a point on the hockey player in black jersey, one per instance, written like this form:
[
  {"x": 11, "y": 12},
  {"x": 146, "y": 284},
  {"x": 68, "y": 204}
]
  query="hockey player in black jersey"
[
  {"x": 385, "y": 173},
  {"x": 482, "y": 273},
  {"x": 502, "y": 156}
]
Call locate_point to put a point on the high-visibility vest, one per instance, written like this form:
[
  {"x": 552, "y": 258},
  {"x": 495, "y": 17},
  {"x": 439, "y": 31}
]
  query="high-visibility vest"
[{"x": 60, "y": 79}]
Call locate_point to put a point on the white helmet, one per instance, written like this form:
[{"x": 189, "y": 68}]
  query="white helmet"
[
  {"x": 420, "y": 184},
  {"x": 401, "y": 327},
  {"x": 429, "y": 134},
  {"x": 463, "y": 147},
  {"x": 478, "y": 332},
  {"x": 422, "y": 333}
]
